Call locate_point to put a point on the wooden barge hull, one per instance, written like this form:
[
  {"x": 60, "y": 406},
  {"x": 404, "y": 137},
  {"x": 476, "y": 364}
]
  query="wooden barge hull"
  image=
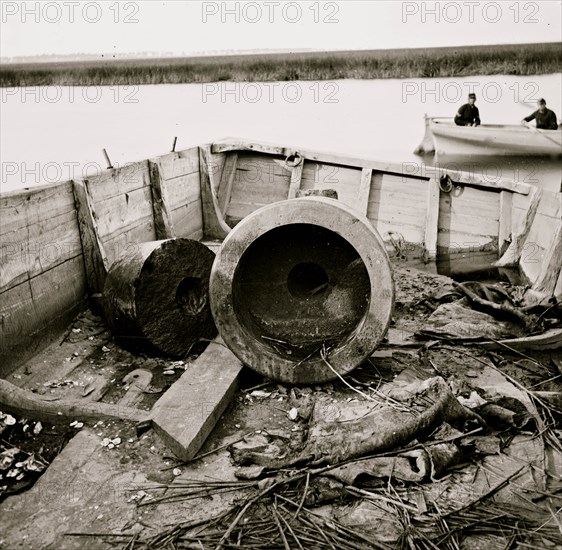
[{"x": 59, "y": 240}]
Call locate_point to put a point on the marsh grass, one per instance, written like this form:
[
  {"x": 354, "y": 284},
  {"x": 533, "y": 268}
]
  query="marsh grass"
[{"x": 517, "y": 59}]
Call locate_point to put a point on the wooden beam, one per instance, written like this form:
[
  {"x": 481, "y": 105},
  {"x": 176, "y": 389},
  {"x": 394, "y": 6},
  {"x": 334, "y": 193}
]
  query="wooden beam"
[
  {"x": 227, "y": 180},
  {"x": 244, "y": 145},
  {"x": 551, "y": 339},
  {"x": 163, "y": 224},
  {"x": 214, "y": 226},
  {"x": 296, "y": 176},
  {"x": 364, "y": 190},
  {"x": 432, "y": 219},
  {"x": 505, "y": 229},
  {"x": 26, "y": 404},
  {"x": 187, "y": 413},
  {"x": 95, "y": 258}
]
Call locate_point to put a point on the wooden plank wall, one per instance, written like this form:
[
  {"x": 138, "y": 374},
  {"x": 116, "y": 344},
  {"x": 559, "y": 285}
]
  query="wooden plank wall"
[
  {"x": 259, "y": 180},
  {"x": 42, "y": 281},
  {"x": 541, "y": 234},
  {"x": 42, "y": 273},
  {"x": 345, "y": 180},
  {"x": 469, "y": 219},
  {"x": 121, "y": 201},
  {"x": 180, "y": 172},
  {"x": 394, "y": 204},
  {"x": 400, "y": 207},
  {"x": 519, "y": 206}
]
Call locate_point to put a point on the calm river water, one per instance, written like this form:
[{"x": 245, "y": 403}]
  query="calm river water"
[{"x": 58, "y": 133}]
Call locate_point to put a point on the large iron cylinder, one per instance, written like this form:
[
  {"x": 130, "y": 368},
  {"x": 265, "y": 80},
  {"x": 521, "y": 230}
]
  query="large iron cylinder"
[
  {"x": 157, "y": 296},
  {"x": 302, "y": 289}
]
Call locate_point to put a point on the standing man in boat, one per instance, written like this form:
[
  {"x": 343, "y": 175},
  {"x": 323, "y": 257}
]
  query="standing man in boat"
[
  {"x": 546, "y": 119},
  {"x": 468, "y": 114}
]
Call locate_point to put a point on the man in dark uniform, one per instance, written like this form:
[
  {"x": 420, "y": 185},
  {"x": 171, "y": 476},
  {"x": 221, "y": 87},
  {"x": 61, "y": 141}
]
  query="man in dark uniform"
[
  {"x": 546, "y": 119},
  {"x": 468, "y": 114}
]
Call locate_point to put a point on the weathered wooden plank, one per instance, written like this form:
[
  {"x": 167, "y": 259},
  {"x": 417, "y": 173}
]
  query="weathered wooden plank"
[
  {"x": 31, "y": 311},
  {"x": 187, "y": 413},
  {"x": 410, "y": 233},
  {"x": 468, "y": 219},
  {"x": 364, "y": 190},
  {"x": 268, "y": 172},
  {"x": 39, "y": 248},
  {"x": 58, "y": 289},
  {"x": 259, "y": 181},
  {"x": 470, "y": 212},
  {"x": 118, "y": 181},
  {"x": 539, "y": 254},
  {"x": 432, "y": 219},
  {"x": 520, "y": 201},
  {"x": 550, "y": 205},
  {"x": 21, "y": 209},
  {"x": 183, "y": 190},
  {"x": 16, "y": 313},
  {"x": 163, "y": 224},
  {"x": 317, "y": 173},
  {"x": 551, "y": 339},
  {"x": 520, "y": 232},
  {"x": 95, "y": 259},
  {"x": 29, "y": 405},
  {"x": 347, "y": 184},
  {"x": 395, "y": 206},
  {"x": 227, "y": 180},
  {"x": 295, "y": 182},
  {"x": 214, "y": 225},
  {"x": 391, "y": 185},
  {"x": 551, "y": 265},
  {"x": 119, "y": 212},
  {"x": 505, "y": 228},
  {"x": 265, "y": 191},
  {"x": 238, "y": 211},
  {"x": 402, "y": 169},
  {"x": 188, "y": 220},
  {"x": 179, "y": 163},
  {"x": 465, "y": 223},
  {"x": 123, "y": 242},
  {"x": 243, "y": 145}
]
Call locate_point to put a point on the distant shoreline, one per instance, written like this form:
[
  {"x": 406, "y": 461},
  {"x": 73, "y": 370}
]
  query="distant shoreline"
[{"x": 515, "y": 59}]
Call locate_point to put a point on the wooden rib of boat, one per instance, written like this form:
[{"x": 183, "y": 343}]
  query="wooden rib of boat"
[
  {"x": 551, "y": 339},
  {"x": 59, "y": 240},
  {"x": 443, "y": 136}
]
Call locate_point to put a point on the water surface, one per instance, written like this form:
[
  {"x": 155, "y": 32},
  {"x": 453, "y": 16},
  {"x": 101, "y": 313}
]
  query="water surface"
[{"x": 57, "y": 133}]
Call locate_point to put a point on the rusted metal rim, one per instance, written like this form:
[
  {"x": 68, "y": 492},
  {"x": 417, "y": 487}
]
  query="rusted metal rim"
[{"x": 269, "y": 355}]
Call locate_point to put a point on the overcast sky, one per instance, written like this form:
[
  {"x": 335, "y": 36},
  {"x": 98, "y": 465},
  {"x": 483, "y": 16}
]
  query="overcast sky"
[{"x": 71, "y": 27}]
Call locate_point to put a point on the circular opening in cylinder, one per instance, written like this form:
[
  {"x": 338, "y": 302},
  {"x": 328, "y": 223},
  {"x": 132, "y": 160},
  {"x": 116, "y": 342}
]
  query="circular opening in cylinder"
[
  {"x": 306, "y": 280},
  {"x": 299, "y": 288},
  {"x": 191, "y": 296}
]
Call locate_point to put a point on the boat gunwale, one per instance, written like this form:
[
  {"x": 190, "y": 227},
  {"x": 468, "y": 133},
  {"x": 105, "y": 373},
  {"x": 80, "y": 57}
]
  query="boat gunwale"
[{"x": 431, "y": 172}]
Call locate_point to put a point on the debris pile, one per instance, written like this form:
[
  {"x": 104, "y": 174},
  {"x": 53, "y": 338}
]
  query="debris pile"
[
  {"x": 18, "y": 468},
  {"x": 443, "y": 446}
]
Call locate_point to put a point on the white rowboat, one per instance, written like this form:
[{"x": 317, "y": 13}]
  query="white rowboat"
[{"x": 443, "y": 136}]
